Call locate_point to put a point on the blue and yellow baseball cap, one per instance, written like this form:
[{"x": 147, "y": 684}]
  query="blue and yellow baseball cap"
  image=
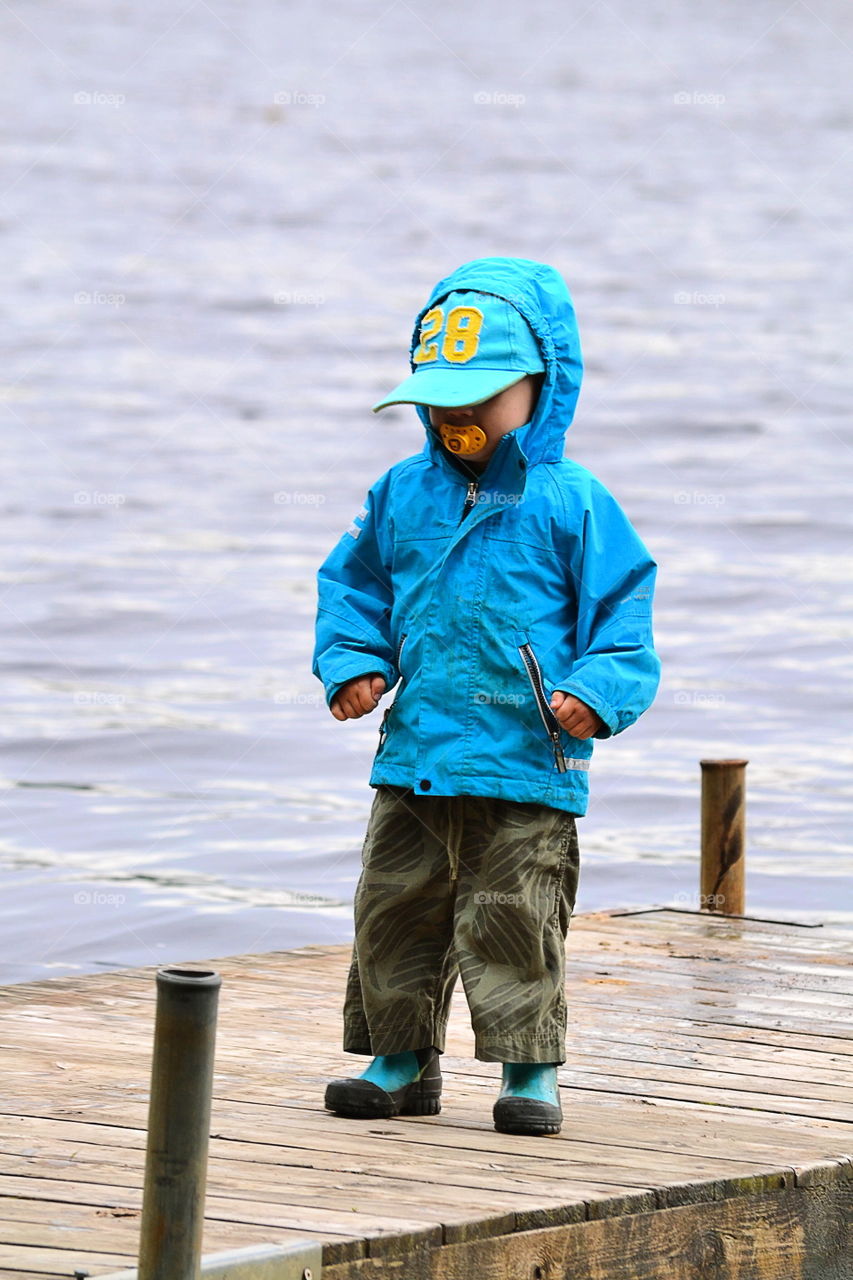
[{"x": 471, "y": 346}]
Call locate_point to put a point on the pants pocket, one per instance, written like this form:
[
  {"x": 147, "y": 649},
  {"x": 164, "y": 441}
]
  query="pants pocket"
[{"x": 567, "y": 873}]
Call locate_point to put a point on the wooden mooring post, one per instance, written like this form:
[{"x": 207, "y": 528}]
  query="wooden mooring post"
[
  {"x": 173, "y": 1199},
  {"x": 178, "y": 1124},
  {"x": 722, "y": 875}
]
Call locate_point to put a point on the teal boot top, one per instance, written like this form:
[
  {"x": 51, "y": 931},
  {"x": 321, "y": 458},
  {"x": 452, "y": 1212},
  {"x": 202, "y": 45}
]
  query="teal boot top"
[
  {"x": 393, "y": 1070},
  {"x": 529, "y": 1101},
  {"x": 530, "y": 1080}
]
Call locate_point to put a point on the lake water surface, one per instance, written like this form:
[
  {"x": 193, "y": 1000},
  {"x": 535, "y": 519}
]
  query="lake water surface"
[{"x": 219, "y": 220}]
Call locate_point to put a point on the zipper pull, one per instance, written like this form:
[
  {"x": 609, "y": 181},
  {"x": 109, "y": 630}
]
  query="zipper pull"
[
  {"x": 383, "y": 732},
  {"x": 562, "y": 767},
  {"x": 470, "y": 499}
]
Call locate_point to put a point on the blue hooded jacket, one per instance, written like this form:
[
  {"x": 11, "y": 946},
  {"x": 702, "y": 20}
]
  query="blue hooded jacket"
[{"x": 543, "y": 586}]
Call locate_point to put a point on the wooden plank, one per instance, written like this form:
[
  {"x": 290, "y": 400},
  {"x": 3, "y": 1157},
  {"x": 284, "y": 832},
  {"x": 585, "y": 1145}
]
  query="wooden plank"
[
  {"x": 467, "y": 1130},
  {"x": 610, "y": 1066},
  {"x": 113, "y": 1237},
  {"x": 578, "y": 1176},
  {"x": 304, "y": 1149},
  {"x": 721, "y": 972},
  {"x": 716, "y": 1013},
  {"x": 652, "y": 1033},
  {"x": 317, "y": 1213},
  {"x": 757, "y": 936},
  {"x": 640, "y": 1044},
  {"x": 61, "y": 1262},
  {"x": 481, "y": 1211},
  {"x": 63, "y": 1200},
  {"x": 291, "y": 1118}
]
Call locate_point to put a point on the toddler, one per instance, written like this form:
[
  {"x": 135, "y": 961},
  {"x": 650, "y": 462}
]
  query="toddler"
[{"x": 502, "y": 589}]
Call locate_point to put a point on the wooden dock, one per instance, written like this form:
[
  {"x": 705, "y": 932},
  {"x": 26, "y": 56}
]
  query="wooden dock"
[{"x": 707, "y": 1096}]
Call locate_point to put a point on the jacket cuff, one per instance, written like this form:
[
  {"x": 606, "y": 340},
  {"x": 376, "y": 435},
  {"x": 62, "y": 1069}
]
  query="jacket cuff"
[{"x": 364, "y": 667}]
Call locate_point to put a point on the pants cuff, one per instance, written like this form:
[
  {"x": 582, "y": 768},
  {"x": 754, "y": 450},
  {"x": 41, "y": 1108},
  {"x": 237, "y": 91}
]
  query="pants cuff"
[
  {"x": 529, "y": 1049},
  {"x": 392, "y": 1039}
]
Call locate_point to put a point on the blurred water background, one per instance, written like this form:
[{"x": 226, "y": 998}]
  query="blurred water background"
[{"x": 219, "y": 219}]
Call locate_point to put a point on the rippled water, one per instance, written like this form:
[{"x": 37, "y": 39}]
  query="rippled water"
[{"x": 219, "y": 221}]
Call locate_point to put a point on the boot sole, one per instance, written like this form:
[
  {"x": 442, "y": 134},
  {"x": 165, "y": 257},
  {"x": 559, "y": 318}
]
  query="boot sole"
[
  {"x": 527, "y": 1115},
  {"x": 363, "y": 1100}
]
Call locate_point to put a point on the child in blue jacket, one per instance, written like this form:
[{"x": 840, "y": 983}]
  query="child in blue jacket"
[{"x": 504, "y": 588}]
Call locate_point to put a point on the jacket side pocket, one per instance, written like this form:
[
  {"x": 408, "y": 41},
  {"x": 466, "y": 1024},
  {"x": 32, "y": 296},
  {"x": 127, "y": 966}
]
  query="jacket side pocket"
[
  {"x": 549, "y": 720},
  {"x": 383, "y": 726}
]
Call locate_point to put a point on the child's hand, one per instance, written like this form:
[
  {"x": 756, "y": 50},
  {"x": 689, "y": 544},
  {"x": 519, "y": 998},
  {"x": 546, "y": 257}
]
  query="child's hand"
[
  {"x": 575, "y": 716},
  {"x": 357, "y": 697}
]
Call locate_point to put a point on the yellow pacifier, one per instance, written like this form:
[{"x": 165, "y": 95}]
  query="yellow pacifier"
[{"x": 464, "y": 440}]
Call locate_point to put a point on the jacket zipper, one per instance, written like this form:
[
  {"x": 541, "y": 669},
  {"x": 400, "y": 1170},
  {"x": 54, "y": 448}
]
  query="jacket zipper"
[
  {"x": 470, "y": 499},
  {"x": 550, "y": 721},
  {"x": 383, "y": 731}
]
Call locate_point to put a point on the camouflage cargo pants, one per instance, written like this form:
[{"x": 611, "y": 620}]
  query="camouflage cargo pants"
[{"x": 470, "y": 885}]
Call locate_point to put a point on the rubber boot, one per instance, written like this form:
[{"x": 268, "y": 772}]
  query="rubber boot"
[
  {"x": 529, "y": 1101},
  {"x": 395, "y": 1084}
]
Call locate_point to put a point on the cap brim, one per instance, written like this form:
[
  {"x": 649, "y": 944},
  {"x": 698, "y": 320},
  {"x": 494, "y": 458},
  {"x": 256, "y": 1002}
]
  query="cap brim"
[{"x": 450, "y": 389}]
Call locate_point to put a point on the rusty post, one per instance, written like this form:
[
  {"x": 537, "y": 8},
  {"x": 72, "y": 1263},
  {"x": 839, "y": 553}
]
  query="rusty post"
[{"x": 722, "y": 886}]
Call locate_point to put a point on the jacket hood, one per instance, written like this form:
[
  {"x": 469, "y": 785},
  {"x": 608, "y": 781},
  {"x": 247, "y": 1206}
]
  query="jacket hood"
[{"x": 540, "y": 294}]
